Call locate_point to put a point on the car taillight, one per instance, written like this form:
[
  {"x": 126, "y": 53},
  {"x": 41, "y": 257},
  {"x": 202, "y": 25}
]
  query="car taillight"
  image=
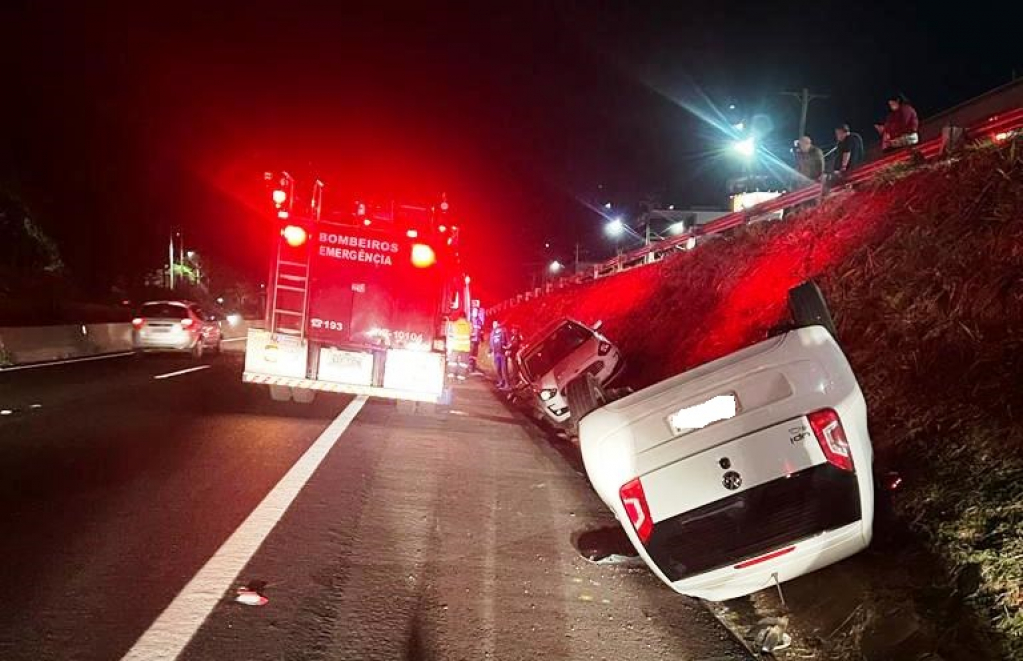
[
  {"x": 827, "y": 427},
  {"x": 187, "y": 323},
  {"x": 634, "y": 501},
  {"x": 138, "y": 322},
  {"x": 603, "y": 348}
]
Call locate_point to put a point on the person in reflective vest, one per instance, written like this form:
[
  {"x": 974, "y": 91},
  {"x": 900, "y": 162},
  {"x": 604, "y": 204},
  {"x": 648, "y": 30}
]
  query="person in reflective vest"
[{"x": 460, "y": 342}]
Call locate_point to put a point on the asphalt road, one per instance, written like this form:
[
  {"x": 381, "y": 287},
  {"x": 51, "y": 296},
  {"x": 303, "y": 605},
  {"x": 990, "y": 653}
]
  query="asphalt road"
[{"x": 134, "y": 508}]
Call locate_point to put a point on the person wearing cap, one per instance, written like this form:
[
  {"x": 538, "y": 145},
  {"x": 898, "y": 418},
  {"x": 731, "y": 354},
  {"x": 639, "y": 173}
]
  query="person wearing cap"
[
  {"x": 848, "y": 151},
  {"x": 901, "y": 126}
]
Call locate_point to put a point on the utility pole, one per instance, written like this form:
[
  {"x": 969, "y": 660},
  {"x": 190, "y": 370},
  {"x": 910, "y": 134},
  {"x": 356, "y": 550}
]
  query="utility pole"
[
  {"x": 805, "y": 96},
  {"x": 576, "y": 269},
  {"x": 170, "y": 263}
]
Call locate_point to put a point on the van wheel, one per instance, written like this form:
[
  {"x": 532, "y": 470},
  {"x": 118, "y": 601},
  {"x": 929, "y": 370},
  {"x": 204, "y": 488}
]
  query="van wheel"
[
  {"x": 584, "y": 394},
  {"x": 808, "y": 308}
]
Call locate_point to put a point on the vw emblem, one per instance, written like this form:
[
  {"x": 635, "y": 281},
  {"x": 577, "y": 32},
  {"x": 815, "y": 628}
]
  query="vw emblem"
[{"x": 731, "y": 480}]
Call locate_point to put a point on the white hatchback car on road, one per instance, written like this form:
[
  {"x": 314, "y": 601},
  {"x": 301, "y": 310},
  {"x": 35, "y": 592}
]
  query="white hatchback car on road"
[
  {"x": 561, "y": 352},
  {"x": 751, "y": 469},
  {"x": 178, "y": 326}
]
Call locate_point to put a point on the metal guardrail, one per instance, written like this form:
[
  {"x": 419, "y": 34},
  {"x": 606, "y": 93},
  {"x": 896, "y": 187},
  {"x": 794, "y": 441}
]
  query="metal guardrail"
[{"x": 995, "y": 127}]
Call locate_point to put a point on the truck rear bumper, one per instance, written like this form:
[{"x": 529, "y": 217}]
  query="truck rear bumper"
[{"x": 330, "y": 386}]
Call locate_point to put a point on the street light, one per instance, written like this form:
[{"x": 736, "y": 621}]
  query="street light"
[
  {"x": 745, "y": 148},
  {"x": 555, "y": 267},
  {"x": 615, "y": 227}
]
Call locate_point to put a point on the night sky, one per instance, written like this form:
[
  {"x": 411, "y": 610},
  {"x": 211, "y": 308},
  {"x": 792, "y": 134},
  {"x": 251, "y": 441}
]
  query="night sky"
[{"x": 122, "y": 122}]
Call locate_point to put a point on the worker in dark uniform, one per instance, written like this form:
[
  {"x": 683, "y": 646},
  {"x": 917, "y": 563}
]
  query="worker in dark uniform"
[
  {"x": 511, "y": 349},
  {"x": 497, "y": 351}
]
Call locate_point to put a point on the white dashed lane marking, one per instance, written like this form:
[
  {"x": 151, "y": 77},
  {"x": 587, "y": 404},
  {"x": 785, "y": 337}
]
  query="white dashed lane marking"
[{"x": 184, "y": 371}]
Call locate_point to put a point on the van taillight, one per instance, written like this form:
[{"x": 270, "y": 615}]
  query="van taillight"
[
  {"x": 634, "y": 501},
  {"x": 827, "y": 427},
  {"x": 186, "y": 323},
  {"x": 138, "y": 322}
]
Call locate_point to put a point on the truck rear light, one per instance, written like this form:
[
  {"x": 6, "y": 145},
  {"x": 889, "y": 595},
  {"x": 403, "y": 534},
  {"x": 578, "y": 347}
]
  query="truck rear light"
[
  {"x": 827, "y": 427},
  {"x": 423, "y": 256},
  {"x": 186, "y": 323},
  {"x": 138, "y": 322},
  {"x": 294, "y": 235},
  {"x": 634, "y": 502},
  {"x": 412, "y": 234}
]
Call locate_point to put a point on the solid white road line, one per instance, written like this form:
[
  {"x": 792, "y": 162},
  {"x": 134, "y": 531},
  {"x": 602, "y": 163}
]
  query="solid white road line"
[
  {"x": 66, "y": 361},
  {"x": 167, "y": 637},
  {"x": 184, "y": 371},
  {"x": 235, "y": 339}
]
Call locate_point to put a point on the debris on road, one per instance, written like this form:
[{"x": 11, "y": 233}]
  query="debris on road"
[
  {"x": 769, "y": 635},
  {"x": 252, "y": 594}
]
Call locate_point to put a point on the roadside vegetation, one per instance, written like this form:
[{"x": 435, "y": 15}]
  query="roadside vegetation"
[{"x": 923, "y": 269}]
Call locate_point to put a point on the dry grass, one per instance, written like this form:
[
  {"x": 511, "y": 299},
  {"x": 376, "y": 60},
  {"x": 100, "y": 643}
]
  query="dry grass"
[{"x": 924, "y": 273}]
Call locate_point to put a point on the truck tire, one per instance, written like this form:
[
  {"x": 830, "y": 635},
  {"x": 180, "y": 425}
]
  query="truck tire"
[
  {"x": 584, "y": 394},
  {"x": 808, "y": 308}
]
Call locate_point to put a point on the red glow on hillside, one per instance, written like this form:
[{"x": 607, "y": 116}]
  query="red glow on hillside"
[{"x": 701, "y": 305}]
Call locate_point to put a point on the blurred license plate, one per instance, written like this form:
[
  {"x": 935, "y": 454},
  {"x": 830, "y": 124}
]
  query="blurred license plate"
[{"x": 698, "y": 416}]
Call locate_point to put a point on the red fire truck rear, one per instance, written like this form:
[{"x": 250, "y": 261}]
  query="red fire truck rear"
[{"x": 357, "y": 302}]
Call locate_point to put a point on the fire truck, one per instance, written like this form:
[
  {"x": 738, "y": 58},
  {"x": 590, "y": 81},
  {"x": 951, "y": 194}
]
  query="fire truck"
[{"x": 357, "y": 301}]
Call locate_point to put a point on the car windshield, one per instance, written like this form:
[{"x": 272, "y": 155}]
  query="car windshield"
[
  {"x": 163, "y": 311},
  {"x": 557, "y": 346}
]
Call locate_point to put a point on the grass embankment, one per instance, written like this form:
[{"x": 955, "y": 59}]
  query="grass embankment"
[{"x": 923, "y": 270}]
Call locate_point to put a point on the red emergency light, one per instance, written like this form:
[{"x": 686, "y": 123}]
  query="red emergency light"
[
  {"x": 423, "y": 256},
  {"x": 279, "y": 197},
  {"x": 294, "y": 235}
]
